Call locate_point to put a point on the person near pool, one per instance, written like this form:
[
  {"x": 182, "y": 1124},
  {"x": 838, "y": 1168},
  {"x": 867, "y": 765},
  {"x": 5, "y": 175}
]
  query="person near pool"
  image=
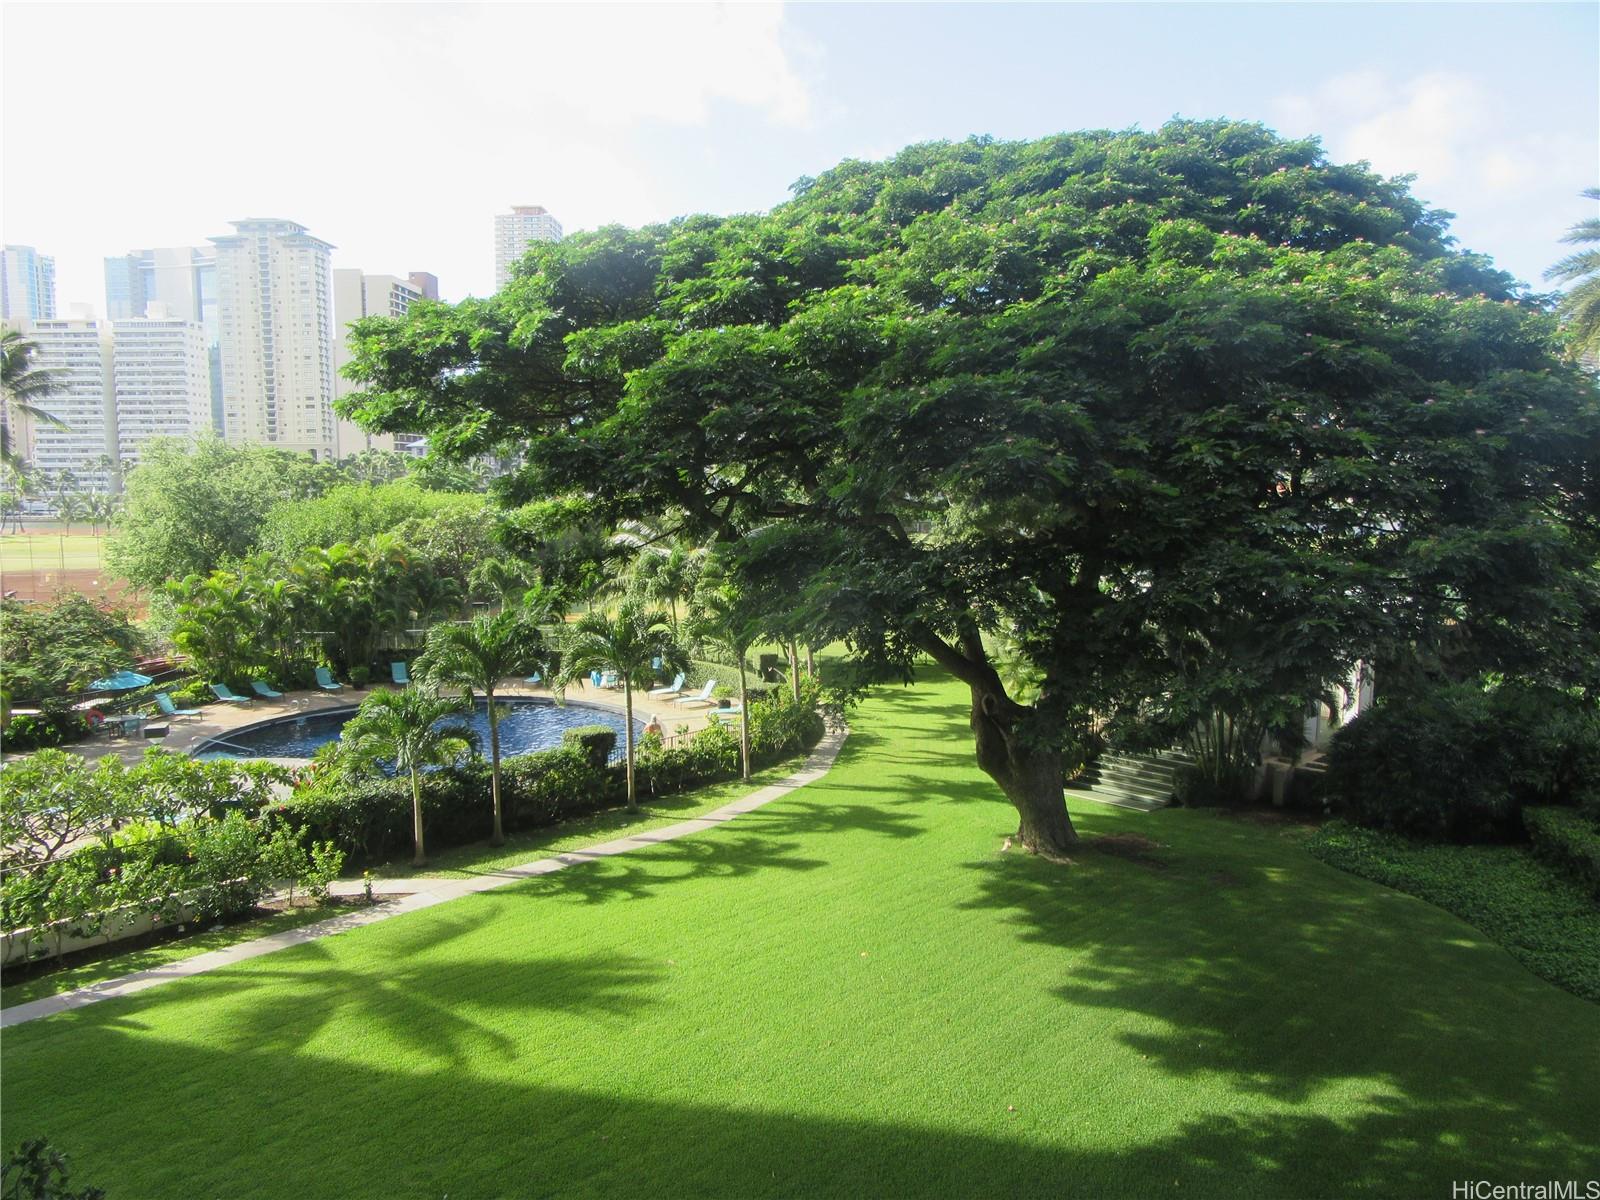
[{"x": 653, "y": 729}]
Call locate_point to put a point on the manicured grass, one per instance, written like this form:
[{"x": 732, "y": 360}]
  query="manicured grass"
[
  {"x": 50, "y": 551},
  {"x": 459, "y": 862},
  {"x": 40, "y": 986},
  {"x": 850, "y": 992},
  {"x": 1544, "y": 919}
]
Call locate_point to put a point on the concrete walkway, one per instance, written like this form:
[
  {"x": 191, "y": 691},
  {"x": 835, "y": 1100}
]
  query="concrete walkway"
[{"x": 428, "y": 893}]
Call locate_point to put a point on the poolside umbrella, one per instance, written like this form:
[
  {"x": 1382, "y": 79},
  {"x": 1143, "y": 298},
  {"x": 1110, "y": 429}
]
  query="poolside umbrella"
[{"x": 122, "y": 681}]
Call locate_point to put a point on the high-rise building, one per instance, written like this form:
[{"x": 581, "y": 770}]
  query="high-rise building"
[
  {"x": 161, "y": 368},
  {"x": 78, "y": 350},
  {"x": 426, "y": 285},
  {"x": 27, "y": 286},
  {"x": 355, "y": 296},
  {"x": 515, "y": 231},
  {"x": 275, "y": 311},
  {"x": 184, "y": 280}
]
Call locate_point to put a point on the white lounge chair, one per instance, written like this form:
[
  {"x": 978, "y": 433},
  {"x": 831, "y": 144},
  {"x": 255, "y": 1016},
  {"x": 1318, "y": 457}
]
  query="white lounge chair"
[
  {"x": 671, "y": 689},
  {"x": 703, "y": 696}
]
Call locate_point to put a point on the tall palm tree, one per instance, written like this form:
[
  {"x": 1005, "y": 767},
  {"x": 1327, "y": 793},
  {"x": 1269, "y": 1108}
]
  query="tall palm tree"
[
  {"x": 478, "y": 656},
  {"x": 404, "y": 728},
  {"x": 23, "y": 385},
  {"x": 727, "y": 618},
  {"x": 627, "y": 643},
  {"x": 1581, "y": 305}
]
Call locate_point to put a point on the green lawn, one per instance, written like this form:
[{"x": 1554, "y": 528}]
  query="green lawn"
[
  {"x": 849, "y": 993},
  {"x": 51, "y": 552}
]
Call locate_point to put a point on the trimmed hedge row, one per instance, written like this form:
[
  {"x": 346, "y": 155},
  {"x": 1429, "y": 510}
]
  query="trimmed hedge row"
[
  {"x": 370, "y": 818},
  {"x": 1568, "y": 840}
]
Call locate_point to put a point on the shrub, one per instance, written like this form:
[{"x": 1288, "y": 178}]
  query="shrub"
[
  {"x": 780, "y": 727},
  {"x": 597, "y": 741},
  {"x": 36, "y": 1170},
  {"x": 369, "y": 817},
  {"x": 711, "y": 756},
  {"x": 228, "y": 867},
  {"x": 551, "y": 785},
  {"x": 29, "y": 731},
  {"x": 1567, "y": 839},
  {"x": 1458, "y": 763}
]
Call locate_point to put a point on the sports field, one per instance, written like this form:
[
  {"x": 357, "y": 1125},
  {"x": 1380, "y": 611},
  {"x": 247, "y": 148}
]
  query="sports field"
[{"x": 37, "y": 564}]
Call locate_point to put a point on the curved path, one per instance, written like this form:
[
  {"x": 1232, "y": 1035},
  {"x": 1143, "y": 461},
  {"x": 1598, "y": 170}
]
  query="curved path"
[{"x": 435, "y": 891}]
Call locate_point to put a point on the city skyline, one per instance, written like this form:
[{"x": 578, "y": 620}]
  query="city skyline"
[{"x": 708, "y": 109}]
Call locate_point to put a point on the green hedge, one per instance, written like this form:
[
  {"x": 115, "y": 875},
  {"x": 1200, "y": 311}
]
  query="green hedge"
[
  {"x": 30, "y": 731},
  {"x": 596, "y": 741},
  {"x": 1567, "y": 839},
  {"x": 370, "y": 818}
]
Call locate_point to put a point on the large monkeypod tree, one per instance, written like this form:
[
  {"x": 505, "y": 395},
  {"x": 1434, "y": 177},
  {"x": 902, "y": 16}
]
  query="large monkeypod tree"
[{"x": 1193, "y": 419}]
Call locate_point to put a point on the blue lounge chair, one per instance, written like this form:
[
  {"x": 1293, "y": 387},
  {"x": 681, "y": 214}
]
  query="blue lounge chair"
[
  {"x": 168, "y": 708},
  {"x": 610, "y": 680},
  {"x": 326, "y": 682},
  {"x": 265, "y": 690},
  {"x": 594, "y": 678},
  {"x": 535, "y": 679},
  {"x": 398, "y": 673},
  {"x": 222, "y": 692},
  {"x": 729, "y": 715},
  {"x": 703, "y": 696},
  {"x": 671, "y": 689}
]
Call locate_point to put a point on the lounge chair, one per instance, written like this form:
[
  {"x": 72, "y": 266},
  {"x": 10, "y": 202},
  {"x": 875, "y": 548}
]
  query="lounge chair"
[
  {"x": 610, "y": 680},
  {"x": 729, "y": 715},
  {"x": 398, "y": 673},
  {"x": 265, "y": 690},
  {"x": 168, "y": 708},
  {"x": 672, "y": 689},
  {"x": 222, "y": 692},
  {"x": 535, "y": 679},
  {"x": 594, "y": 678},
  {"x": 703, "y": 696},
  {"x": 326, "y": 682}
]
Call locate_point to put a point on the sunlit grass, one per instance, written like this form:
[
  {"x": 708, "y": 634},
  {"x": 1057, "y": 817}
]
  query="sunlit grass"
[
  {"x": 46, "y": 551},
  {"x": 850, "y": 992}
]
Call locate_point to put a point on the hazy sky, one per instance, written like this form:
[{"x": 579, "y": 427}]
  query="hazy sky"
[{"x": 397, "y": 131}]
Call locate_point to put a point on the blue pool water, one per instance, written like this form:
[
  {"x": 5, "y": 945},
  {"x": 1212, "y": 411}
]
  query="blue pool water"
[{"x": 525, "y": 725}]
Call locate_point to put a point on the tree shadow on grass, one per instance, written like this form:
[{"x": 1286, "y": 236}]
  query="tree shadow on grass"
[
  {"x": 639, "y": 874},
  {"x": 277, "y": 1125},
  {"x": 1230, "y": 958}
]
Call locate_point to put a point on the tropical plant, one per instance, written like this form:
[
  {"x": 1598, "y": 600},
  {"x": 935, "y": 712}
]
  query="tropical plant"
[
  {"x": 24, "y": 385},
  {"x": 1581, "y": 305},
  {"x": 477, "y": 656},
  {"x": 629, "y": 643},
  {"x": 408, "y": 730},
  {"x": 727, "y": 617}
]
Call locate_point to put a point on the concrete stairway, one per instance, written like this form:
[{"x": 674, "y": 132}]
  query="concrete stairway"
[{"x": 1140, "y": 781}]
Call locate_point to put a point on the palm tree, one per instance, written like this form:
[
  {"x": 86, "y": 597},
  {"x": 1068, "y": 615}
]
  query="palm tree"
[
  {"x": 727, "y": 619},
  {"x": 478, "y": 656},
  {"x": 1581, "y": 305},
  {"x": 23, "y": 385},
  {"x": 404, "y": 728},
  {"x": 627, "y": 643}
]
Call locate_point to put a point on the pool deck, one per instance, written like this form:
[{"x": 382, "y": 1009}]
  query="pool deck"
[{"x": 218, "y": 720}]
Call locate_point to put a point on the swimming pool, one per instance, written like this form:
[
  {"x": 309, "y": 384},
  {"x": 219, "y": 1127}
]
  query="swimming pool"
[{"x": 525, "y": 726}]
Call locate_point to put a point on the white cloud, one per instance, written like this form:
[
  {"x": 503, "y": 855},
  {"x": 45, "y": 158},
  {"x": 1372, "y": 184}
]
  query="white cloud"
[
  {"x": 391, "y": 130},
  {"x": 1452, "y": 132}
]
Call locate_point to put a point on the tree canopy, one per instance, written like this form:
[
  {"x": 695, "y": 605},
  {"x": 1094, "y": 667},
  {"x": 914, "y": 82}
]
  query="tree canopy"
[{"x": 1194, "y": 418}]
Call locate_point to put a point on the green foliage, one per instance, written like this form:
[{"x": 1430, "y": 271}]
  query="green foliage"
[
  {"x": 1546, "y": 921},
  {"x": 50, "y": 728},
  {"x": 36, "y": 1170},
  {"x": 1567, "y": 839},
  {"x": 189, "y": 507},
  {"x": 56, "y": 649},
  {"x": 779, "y": 727},
  {"x": 1458, "y": 761},
  {"x": 1581, "y": 304},
  {"x": 1199, "y": 417},
  {"x": 596, "y": 742},
  {"x": 354, "y": 511}
]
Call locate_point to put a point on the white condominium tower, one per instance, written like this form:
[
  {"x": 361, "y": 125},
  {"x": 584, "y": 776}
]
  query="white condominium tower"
[
  {"x": 78, "y": 350},
  {"x": 355, "y": 296},
  {"x": 162, "y": 379},
  {"x": 275, "y": 309},
  {"x": 27, "y": 286},
  {"x": 514, "y": 231},
  {"x": 184, "y": 280}
]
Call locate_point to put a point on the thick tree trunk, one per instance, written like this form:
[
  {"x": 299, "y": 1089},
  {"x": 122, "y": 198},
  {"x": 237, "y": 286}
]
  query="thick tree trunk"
[
  {"x": 498, "y": 837},
  {"x": 1030, "y": 776}
]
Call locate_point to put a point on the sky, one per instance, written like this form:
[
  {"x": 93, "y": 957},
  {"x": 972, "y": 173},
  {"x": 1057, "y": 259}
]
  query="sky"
[{"x": 397, "y": 131}]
